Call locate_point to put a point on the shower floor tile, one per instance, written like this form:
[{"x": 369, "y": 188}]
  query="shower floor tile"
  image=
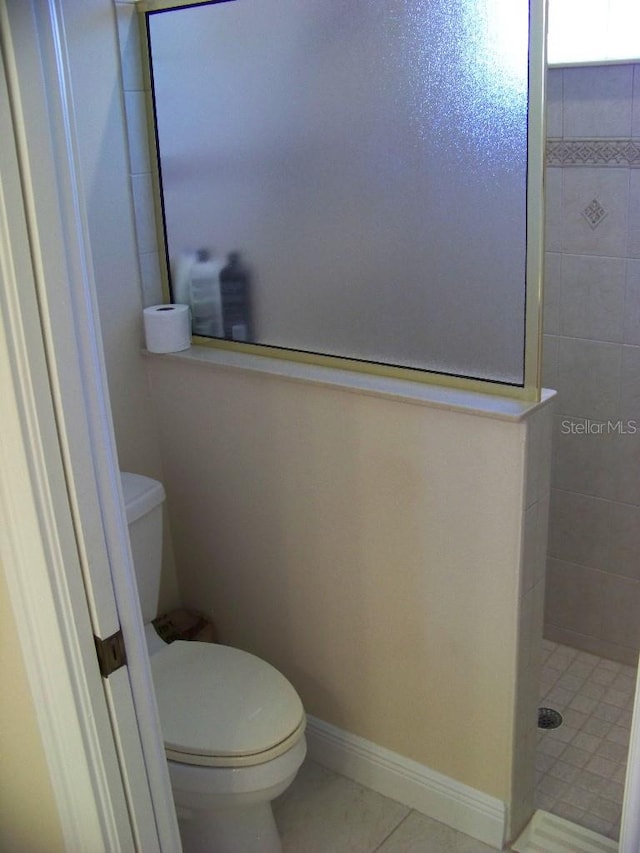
[{"x": 580, "y": 766}]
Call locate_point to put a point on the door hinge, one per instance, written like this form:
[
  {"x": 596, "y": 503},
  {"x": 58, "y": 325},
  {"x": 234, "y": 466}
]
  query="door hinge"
[{"x": 111, "y": 653}]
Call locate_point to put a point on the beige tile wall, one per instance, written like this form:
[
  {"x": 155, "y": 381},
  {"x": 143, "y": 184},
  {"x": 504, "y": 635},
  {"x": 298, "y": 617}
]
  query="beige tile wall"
[
  {"x": 135, "y": 100},
  {"x": 592, "y": 357}
]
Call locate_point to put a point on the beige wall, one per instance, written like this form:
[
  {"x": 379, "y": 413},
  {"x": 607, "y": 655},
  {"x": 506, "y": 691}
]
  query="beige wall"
[
  {"x": 370, "y": 549},
  {"x": 29, "y": 820}
]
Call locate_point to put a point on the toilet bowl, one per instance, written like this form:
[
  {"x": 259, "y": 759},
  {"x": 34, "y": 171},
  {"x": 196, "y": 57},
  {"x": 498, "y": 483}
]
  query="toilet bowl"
[{"x": 233, "y": 726}]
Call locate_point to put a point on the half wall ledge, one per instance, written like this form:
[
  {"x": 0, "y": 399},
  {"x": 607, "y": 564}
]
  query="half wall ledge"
[{"x": 418, "y": 393}]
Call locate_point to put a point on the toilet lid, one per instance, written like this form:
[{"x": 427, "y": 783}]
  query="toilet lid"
[{"x": 219, "y": 705}]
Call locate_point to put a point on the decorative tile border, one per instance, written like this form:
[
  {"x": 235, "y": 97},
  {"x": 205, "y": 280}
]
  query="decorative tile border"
[{"x": 593, "y": 152}]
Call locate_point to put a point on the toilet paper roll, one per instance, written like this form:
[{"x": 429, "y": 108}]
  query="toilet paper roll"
[{"x": 167, "y": 328}]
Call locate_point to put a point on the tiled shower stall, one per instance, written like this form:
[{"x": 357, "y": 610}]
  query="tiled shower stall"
[{"x": 592, "y": 357}]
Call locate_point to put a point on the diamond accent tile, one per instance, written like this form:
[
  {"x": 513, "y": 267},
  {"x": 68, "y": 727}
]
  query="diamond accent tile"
[{"x": 594, "y": 213}]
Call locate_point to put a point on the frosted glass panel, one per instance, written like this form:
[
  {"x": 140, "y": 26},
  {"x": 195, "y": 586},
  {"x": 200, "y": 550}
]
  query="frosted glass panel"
[{"x": 367, "y": 159}]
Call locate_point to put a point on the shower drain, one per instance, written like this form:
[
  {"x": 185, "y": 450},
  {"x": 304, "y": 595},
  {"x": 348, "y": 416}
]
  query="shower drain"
[{"x": 548, "y": 718}]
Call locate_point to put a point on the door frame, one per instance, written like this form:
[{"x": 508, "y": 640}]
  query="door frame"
[{"x": 65, "y": 545}]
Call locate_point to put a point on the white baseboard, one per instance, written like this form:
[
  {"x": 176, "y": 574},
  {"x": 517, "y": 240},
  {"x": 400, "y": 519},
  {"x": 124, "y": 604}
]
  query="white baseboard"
[
  {"x": 547, "y": 833},
  {"x": 407, "y": 782}
]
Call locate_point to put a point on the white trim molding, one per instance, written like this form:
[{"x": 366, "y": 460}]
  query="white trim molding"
[
  {"x": 630, "y": 827},
  {"x": 408, "y": 782},
  {"x": 548, "y": 833},
  {"x": 39, "y": 551}
]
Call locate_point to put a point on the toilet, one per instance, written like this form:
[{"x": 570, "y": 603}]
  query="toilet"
[{"x": 233, "y": 726}]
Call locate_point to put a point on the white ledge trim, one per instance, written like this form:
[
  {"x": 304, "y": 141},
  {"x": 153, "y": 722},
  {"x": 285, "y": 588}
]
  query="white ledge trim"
[{"x": 403, "y": 390}]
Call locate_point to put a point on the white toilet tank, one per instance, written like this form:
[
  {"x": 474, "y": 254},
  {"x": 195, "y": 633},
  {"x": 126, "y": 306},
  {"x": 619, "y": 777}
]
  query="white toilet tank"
[{"x": 143, "y": 499}]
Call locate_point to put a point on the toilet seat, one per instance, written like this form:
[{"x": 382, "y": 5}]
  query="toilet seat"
[{"x": 223, "y": 707}]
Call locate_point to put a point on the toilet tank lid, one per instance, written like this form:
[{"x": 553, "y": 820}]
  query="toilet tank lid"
[{"x": 141, "y": 495}]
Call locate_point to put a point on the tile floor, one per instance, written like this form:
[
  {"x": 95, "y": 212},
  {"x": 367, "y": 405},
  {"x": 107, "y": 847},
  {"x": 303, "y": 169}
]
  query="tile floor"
[
  {"x": 581, "y": 765},
  {"x": 580, "y": 769},
  {"x": 323, "y": 812}
]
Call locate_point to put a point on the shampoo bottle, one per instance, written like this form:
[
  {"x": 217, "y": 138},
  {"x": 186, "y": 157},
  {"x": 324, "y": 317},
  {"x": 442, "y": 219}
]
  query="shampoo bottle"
[
  {"x": 234, "y": 289},
  {"x": 204, "y": 296}
]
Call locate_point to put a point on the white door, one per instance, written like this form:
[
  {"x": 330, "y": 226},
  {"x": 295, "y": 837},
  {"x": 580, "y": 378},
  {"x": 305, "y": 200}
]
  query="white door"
[{"x": 65, "y": 542}]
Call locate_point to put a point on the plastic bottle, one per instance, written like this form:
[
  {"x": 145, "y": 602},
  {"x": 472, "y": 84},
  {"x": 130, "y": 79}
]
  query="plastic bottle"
[
  {"x": 235, "y": 288},
  {"x": 204, "y": 296},
  {"x": 181, "y": 267}
]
